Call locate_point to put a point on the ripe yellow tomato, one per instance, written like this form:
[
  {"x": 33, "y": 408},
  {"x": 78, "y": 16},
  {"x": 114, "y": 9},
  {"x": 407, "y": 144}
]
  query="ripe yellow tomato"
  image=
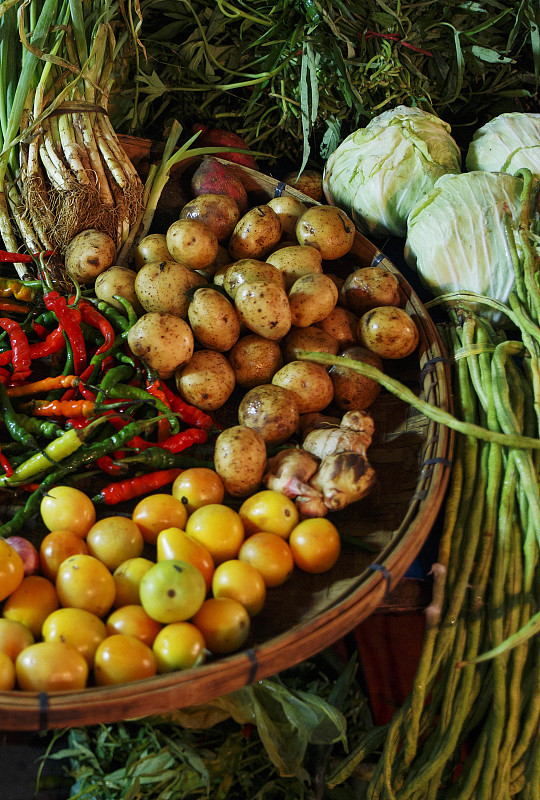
[
  {"x": 68, "y": 508},
  {"x": 14, "y": 637},
  {"x": 7, "y": 673},
  {"x": 172, "y": 591},
  {"x": 224, "y": 623},
  {"x": 122, "y": 659},
  {"x": 270, "y": 554},
  {"x": 55, "y": 547},
  {"x": 241, "y": 581},
  {"x": 179, "y": 645},
  {"x": 80, "y": 628},
  {"x": 115, "y": 539},
  {"x": 133, "y": 621},
  {"x": 269, "y": 510},
  {"x": 315, "y": 545},
  {"x": 127, "y": 577},
  {"x": 156, "y": 512},
  {"x": 31, "y": 602},
  {"x": 173, "y": 543},
  {"x": 51, "y": 667},
  {"x": 219, "y": 528},
  {"x": 198, "y": 486},
  {"x": 11, "y": 569},
  {"x": 85, "y": 582}
]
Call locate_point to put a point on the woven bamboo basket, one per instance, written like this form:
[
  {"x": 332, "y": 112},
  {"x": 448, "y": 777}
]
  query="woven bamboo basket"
[{"x": 383, "y": 533}]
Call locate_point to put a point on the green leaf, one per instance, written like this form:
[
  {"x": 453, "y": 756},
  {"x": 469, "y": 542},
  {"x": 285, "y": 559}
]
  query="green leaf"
[{"x": 489, "y": 55}]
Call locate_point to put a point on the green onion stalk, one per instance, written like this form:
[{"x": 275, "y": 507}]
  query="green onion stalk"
[
  {"x": 62, "y": 166},
  {"x": 470, "y": 727}
]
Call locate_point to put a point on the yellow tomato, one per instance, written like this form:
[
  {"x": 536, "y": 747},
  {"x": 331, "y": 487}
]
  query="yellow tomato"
[
  {"x": 172, "y": 591},
  {"x": 31, "y": 602},
  {"x": 55, "y": 547},
  {"x": 80, "y": 628},
  {"x": 269, "y": 510},
  {"x": 51, "y": 667},
  {"x": 85, "y": 582},
  {"x": 157, "y": 512},
  {"x": 122, "y": 659},
  {"x": 173, "y": 543},
  {"x": 219, "y": 528},
  {"x": 114, "y": 539},
  {"x": 7, "y": 673},
  {"x": 198, "y": 486},
  {"x": 315, "y": 545},
  {"x": 127, "y": 577},
  {"x": 242, "y": 582},
  {"x": 179, "y": 645},
  {"x": 133, "y": 621},
  {"x": 14, "y": 637},
  {"x": 224, "y": 623},
  {"x": 11, "y": 569},
  {"x": 270, "y": 554},
  {"x": 67, "y": 508}
]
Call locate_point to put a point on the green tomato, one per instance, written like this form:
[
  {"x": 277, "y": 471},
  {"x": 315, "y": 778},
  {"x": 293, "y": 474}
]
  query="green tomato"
[{"x": 172, "y": 591}]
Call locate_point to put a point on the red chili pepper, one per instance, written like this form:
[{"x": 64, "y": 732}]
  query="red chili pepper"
[
  {"x": 155, "y": 388},
  {"x": 13, "y": 307},
  {"x": 134, "y": 487},
  {"x": 184, "y": 439},
  {"x": 52, "y": 344},
  {"x": 70, "y": 320},
  {"x": 40, "y": 330},
  {"x": 6, "y": 466},
  {"x": 191, "y": 415},
  {"x": 109, "y": 465},
  {"x": 15, "y": 258},
  {"x": 20, "y": 349},
  {"x": 96, "y": 320}
]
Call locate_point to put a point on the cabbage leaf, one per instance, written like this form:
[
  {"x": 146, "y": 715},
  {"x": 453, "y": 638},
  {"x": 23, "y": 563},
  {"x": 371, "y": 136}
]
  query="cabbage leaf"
[{"x": 507, "y": 143}]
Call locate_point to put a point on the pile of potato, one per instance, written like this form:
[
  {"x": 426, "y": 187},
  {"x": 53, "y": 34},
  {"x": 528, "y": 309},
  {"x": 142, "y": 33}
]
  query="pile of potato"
[{"x": 228, "y": 295}]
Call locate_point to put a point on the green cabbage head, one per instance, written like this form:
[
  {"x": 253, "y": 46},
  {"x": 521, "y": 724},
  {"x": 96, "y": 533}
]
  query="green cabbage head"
[
  {"x": 456, "y": 238},
  {"x": 378, "y": 173},
  {"x": 507, "y": 143}
]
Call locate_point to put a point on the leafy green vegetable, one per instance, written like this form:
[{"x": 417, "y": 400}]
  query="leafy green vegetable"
[
  {"x": 379, "y": 172},
  {"x": 457, "y": 237},
  {"x": 280, "y": 72},
  {"x": 507, "y": 143}
]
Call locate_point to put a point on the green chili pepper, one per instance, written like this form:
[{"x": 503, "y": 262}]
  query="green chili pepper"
[{"x": 17, "y": 432}]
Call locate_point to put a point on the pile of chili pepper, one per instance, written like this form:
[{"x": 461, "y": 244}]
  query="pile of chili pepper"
[{"x": 75, "y": 401}]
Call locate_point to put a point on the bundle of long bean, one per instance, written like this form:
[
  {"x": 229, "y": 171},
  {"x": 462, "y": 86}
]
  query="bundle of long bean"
[{"x": 62, "y": 167}]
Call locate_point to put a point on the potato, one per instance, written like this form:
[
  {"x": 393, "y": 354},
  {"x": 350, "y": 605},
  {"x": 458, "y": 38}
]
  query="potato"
[
  {"x": 118, "y": 281},
  {"x": 353, "y": 391},
  {"x": 311, "y": 339},
  {"x": 288, "y": 209},
  {"x": 162, "y": 285},
  {"x": 247, "y": 270},
  {"x": 223, "y": 259},
  {"x": 219, "y": 211},
  {"x": 370, "y": 287},
  {"x": 240, "y": 460},
  {"x": 310, "y": 383},
  {"x": 295, "y": 261},
  {"x": 311, "y": 299},
  {"x": 192, "y": 243},
  {"x": 342, "y": 325},
  {"x": 163, "y": 341},
  {"x": 89, "y": 254},
  {"x": 264, "y": 308},
  {"x": 255, "y": 360},
  {"x": 271, "y": 411},
  {"x": 389, "y": 332},
  {"x": 152, "y": 247},
  {"x": 308, "y": 181},
  {"x": 206, "y": 381},
  {"x": 255, "y": 234},
  {"x": 213, "y": 320},
  {"x": 328, "y": 229}
]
